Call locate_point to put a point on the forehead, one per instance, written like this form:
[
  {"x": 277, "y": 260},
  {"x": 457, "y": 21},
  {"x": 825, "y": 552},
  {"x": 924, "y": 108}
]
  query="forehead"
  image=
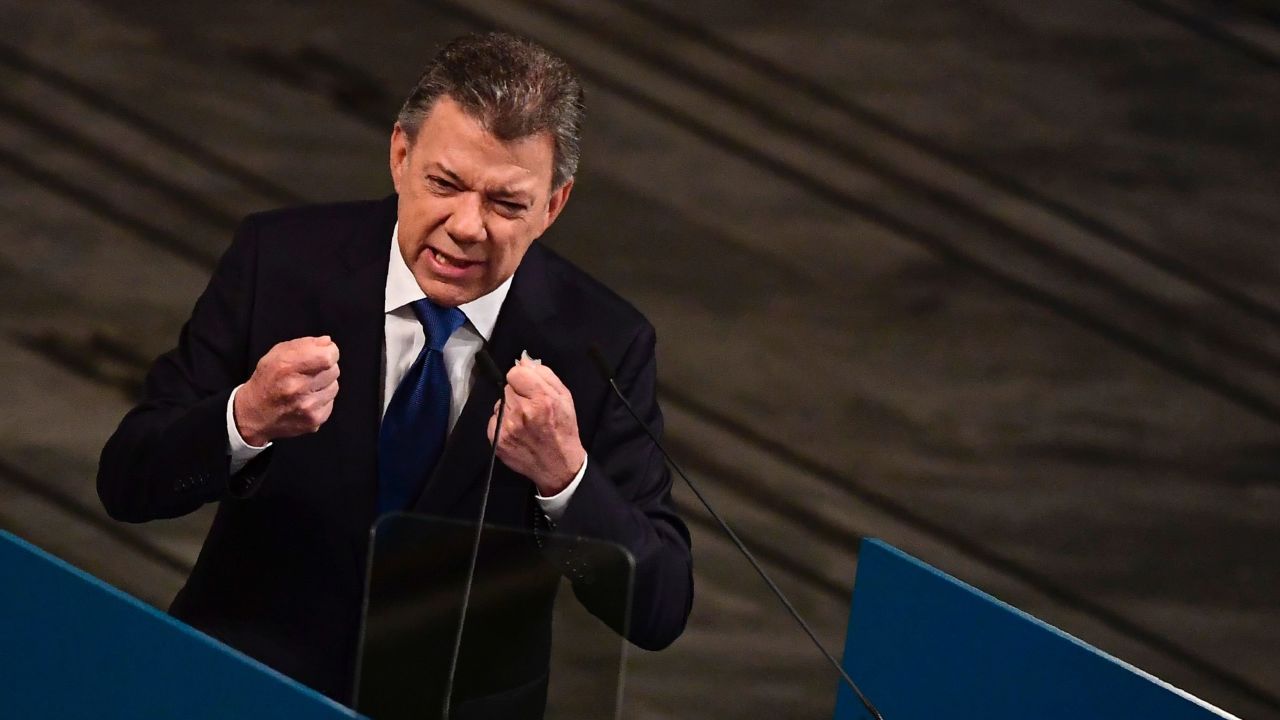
[{"x": 460, "y": 144}]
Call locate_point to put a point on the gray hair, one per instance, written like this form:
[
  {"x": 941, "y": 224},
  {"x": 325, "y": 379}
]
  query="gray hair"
[{"x": 514, "y": 87}]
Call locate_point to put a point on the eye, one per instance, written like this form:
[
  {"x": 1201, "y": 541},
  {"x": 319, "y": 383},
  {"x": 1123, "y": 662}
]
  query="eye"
[
  {"x": 441, "y": 184},
  {"x": 509, "y": 208}
]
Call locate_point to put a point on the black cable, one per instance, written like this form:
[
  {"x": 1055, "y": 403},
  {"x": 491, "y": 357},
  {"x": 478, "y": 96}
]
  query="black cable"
[
  {"x": 607, "y": 372},
  {"x": 490, "y": 370}
]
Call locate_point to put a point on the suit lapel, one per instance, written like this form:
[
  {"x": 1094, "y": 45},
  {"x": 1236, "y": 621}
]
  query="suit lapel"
[{"x": 354, "y": 298}]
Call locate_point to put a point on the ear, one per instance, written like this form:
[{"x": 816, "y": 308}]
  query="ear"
[
  {"x": 399, "y": 155},
  {"x": 556, "y": 203}
]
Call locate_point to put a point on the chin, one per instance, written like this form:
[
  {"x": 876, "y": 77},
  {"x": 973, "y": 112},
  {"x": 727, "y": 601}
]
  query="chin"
[{"x": 448, "y": 294}]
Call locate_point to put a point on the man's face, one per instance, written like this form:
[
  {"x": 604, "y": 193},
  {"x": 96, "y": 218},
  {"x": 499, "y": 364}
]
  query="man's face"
[{"x": 470, "y": 204}]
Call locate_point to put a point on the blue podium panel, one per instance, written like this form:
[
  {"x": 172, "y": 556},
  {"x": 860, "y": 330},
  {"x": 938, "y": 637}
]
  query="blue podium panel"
[
  {"x": 925, "y": 646},
  {"x": 74, "y": 647}
]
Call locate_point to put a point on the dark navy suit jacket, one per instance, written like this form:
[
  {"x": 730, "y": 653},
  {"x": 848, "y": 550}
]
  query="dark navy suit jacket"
[{"x": 281, "y": 574}]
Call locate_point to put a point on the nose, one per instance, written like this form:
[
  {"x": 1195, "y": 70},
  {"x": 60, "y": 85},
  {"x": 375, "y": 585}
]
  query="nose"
[{"x": 466, "y": 222}]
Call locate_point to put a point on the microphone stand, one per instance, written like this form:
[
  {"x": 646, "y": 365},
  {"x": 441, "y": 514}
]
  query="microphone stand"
[
  {"x": 490, "y": 370},
  {"x": 607, "y": 373}
]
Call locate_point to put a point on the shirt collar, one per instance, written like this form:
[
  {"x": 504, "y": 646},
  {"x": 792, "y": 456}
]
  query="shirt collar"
[{"x": 402, "y": 289}]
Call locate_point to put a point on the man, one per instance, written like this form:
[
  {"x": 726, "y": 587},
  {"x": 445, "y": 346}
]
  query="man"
[{"x": 396, "y": 297}]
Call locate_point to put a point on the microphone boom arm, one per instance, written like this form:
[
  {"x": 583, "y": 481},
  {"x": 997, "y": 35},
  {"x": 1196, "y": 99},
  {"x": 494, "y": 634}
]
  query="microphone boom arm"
[{"x": 607, "y": 372}]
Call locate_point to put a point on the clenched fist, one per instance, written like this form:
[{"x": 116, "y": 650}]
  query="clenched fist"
[
  {"x": 291, "y": 391},
  {"x": 539, "y": 429}
]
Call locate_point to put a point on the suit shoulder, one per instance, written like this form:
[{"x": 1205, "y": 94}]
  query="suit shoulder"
[
  {"x": 587, "y": 297},
  {"x": 351, "y": 231}
]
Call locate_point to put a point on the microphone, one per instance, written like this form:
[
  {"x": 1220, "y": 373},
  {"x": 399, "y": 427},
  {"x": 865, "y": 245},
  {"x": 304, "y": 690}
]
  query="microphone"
[
  {"x": 489, "y": 369},
  {"x": 606, "y": 373}
]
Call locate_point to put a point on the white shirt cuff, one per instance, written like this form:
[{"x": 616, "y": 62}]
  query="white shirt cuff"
[
  {"x": 554, "y": 506},
  {"x": 240, "y": 451}
]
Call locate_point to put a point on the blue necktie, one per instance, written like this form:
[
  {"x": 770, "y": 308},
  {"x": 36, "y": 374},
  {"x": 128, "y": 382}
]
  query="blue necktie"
[{"x": 416, "y": 423}]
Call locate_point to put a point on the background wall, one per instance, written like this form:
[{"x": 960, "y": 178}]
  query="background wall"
[{"x": 994, "y": 281}]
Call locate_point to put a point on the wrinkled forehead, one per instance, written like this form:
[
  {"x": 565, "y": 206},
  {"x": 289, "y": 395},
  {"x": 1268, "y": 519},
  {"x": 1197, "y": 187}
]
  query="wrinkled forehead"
[{"x": 492, "y": 168}]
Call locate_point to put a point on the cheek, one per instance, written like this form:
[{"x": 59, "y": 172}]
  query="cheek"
[
  {"x": 421, "y": 218},
  {"x": 413, "y": 236},
  {"x": 508, "y": 249}
]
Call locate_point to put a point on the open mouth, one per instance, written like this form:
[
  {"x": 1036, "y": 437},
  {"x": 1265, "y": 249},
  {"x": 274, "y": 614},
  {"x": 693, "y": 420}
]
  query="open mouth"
[{"x": 449, "y": 261}]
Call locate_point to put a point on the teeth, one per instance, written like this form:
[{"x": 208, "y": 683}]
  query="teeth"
[{"x": 446, "y": 260}]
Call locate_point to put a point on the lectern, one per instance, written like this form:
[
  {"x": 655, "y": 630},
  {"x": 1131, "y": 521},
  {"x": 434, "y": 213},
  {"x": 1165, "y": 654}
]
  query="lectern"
[
  {"x": 925, "y": 646},
  {"x": 73, "y": 647}
]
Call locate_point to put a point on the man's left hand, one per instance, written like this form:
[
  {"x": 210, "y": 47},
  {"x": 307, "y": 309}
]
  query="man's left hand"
[{"x": 539, "y": 429}]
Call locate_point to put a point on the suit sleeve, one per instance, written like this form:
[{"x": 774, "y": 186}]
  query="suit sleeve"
[
  {"x": 169, "y": 455},
  {"x": 625, "y": 499}
]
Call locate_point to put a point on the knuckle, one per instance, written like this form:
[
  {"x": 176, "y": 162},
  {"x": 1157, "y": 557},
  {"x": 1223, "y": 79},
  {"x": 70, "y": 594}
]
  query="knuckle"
[{"x": 541, "y": 410}]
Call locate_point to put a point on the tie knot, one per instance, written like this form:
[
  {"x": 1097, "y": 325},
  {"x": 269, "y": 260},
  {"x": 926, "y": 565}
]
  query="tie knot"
[{"x": 440, "y": 322}]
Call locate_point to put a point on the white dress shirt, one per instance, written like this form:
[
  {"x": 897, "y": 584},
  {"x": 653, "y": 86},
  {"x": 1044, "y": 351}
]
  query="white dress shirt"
[{"x": 402, "y": 339}]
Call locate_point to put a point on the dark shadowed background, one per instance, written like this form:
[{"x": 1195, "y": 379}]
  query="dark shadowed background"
[{"x": 995, "y": 281}]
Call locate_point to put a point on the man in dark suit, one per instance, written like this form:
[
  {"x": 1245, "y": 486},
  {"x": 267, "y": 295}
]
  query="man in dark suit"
[{"x": 396, "y": 296}]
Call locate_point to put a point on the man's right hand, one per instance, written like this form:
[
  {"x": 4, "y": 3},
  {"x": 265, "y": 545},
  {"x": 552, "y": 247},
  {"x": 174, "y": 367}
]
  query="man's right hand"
[{"x": 291, "y": 391}]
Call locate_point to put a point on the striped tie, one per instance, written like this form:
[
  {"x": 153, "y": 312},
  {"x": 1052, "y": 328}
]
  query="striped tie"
[{"x": 416, "y": 423}]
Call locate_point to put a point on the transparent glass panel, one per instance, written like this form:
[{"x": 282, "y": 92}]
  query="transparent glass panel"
[{"x": 533, "y": 644}]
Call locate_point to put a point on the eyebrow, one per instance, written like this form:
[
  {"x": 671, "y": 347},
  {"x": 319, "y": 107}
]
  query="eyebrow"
[
  {"x": 509, "y": 194},
  {"x": 446, "y": 171},
  {"x": 500, "y": 193}
]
